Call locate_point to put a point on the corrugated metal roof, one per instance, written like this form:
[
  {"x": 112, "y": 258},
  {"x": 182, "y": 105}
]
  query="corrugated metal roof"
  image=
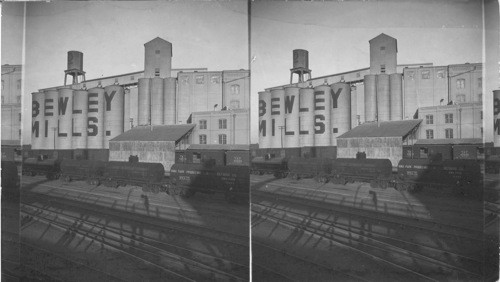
[
  {"x": 475, "y": 141},
  {"x": 155, "y": 133},
  {"x": 227, "y": 147},
  {"x": 399, "y": 128}
]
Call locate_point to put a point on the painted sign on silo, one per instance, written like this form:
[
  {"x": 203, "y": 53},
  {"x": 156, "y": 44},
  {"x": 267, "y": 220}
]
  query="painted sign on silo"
[
  {"x": 496, "y": 117},
  {"x": 277, "y": 117},
  {"x": 322, "y": 115},
  {"x": 341, "y": 109},
  {"x": 79, "y": 119},
  {"x": 264, "y": 119},
  {"x": 95, "y": 124},
  {"x": 50, "y": 116},
  {"x": 306, "y": 117},
  {"x": 65, "y": 117},
  {"x": 291, "y": 121},
  {"x": 37, "y": 120},
  {"x": 113, "y": 114}
]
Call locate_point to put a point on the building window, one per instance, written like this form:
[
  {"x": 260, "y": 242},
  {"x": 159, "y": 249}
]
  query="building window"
[
  {"x": 426, "y": 74},
  {"x": 200, "y": 79},
  {"x": 481, "y": 131},
  {"x": 235, "y": 89},
  {"x": 19, "y": 133},
  {"x": 423, "y": 152},
  {"x": 203, "y": 139},
  {"x": 448, "y": 118},
  {"x": 157, "y": 52},
  {"x": 157, "y": 72},
  {"x": 449, "y": 133},
  {"x": 131, "y": 77},
  {"x": 235, "y": 104},
  {"x": 429, "y": 119},
  {"x": 19, "y": 115},
  {"x": 335, "y": 130},
  {"x": 410, "y": 74},
  {"x": 203, "y": 124},
  {"x": 429, "y": 134},
  {"x": 358, "y": 74},
  {"x": 461, "y": 98},
  {"x": 480, "y": 82},
  {"x": 222, "y": 139},
  {"x": 223, "y": 124},
  {"x": 215, "y": 79},
  {"x": 18, "y": 98},
  {"x": 382, "y": 49},
  {"x": 382, "y": 68},
  {"x": 18, "y": 84},
  {"x": 341, "y": 78},
  {"x": 481, "y": 115},
  {"x": 3, "y": 84},
  {"x": 460, "y": 83},
  {"x": 440, "y": 74}
]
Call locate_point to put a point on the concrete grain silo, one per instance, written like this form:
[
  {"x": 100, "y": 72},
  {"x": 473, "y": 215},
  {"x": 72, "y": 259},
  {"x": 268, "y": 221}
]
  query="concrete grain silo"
[
  {"x": 383, "y": 97},
  {"x": 496, "y": 117},
  {"x": 114, "y": 112},
  {"x": 65, "y": 118},
  {"x": 370, "y": 97},
  {"x": 396, "y": 86},
  {"x": 80, "y": 115},
  {"x": 291, "y": 105},
  {"x": 322, "y": 116},
  {"x": 144, "y": 101},
  {"x": 169, "y": 93},
  {"x": 306, "y": 117},
  {"x": 157, "y": 102}
]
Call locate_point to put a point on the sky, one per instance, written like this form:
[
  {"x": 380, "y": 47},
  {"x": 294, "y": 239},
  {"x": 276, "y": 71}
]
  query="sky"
[
  {"x": 336, "y": 34},
  {"x": 111, "y": 35}
]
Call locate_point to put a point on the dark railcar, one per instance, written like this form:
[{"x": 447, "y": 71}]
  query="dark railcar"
[
  {"x": 317, "y": 168},
  {"x": 148, "y": 175},
  {"x": 233, "y": 181},
  {"x": 41, "y": 166},
  {"x": 462, "y": 176},
  {"x": 89, "y": 170},
  {"x": 240, "y": 158},
  {"x": 267, "y": 164},
  {"x": 10, "y": 180},
  {"x": 378, "y": 172}
]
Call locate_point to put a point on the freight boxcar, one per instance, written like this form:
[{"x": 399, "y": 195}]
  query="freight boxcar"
[
  {"x": 233, "y": 181},
  {"x": 378, "y": 172},
  {"x": 147, "y": 175},
  {"x": 462, "y": 176}
]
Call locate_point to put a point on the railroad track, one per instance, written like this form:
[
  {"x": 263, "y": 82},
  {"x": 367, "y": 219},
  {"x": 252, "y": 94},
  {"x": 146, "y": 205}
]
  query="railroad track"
[
  {"x": 369, "y": 236},
  {"x": 167, "y": 257},
  {"x": 418, "y": 224},
  {"x": 348, "y": 194},
  {"x": 83, "y": 194}
]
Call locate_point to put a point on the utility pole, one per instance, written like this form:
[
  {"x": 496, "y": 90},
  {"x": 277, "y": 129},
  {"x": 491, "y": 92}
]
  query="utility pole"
[{"x": 281, "y": 130}]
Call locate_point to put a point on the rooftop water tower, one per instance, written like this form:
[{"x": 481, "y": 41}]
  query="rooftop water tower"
[
  {"x": 300, "y": 64},
  {"x": 75, "y": 67}
]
